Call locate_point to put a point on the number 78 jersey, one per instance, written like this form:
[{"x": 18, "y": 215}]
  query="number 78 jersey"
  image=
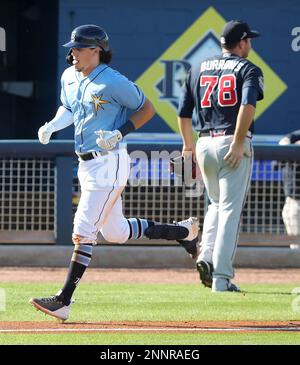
[{"x": 217, "y": 89}]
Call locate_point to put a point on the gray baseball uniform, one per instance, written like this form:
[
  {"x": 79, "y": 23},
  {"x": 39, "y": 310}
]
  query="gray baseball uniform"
[{"x": 216, "y": 90}]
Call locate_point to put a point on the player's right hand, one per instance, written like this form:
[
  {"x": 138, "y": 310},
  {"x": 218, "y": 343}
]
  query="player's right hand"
[
  {"x": 188, "y": 152},
  {"x": 235, "y": 155},
  {"x": 108, "y": 139},
  {"x": 45, "y": 133}
]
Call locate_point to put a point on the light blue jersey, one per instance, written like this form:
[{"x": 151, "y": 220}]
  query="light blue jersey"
[{"x": 99, "y": 101}]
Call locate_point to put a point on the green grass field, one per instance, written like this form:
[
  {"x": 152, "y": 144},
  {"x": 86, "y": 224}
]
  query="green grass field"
[{"x": 155, "y": 302}]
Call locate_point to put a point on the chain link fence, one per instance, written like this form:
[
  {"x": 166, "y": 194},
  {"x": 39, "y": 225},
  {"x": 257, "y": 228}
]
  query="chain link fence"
[{"x": 28, "y": 192}]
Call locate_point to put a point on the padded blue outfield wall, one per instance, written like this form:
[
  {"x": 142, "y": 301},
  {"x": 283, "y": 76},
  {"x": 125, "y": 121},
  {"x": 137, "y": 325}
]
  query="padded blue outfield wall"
[{"x": 155, "y": 42}]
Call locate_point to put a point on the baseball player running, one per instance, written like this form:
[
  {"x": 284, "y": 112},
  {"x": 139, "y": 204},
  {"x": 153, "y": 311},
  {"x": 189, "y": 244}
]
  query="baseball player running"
[
  {"x": 223, "y": 91},
  {"x": 96, "y": 98}
]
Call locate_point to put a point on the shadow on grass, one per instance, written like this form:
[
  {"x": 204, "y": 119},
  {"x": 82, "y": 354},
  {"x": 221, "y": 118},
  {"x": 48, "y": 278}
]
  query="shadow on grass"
[{"x": 244, "y": 292}]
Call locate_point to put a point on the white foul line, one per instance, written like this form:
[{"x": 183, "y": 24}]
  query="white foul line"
[{"x": 253, "y": 329}]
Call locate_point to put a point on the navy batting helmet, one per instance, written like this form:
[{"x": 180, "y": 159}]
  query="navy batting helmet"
[{"x": 88, "y": 36}]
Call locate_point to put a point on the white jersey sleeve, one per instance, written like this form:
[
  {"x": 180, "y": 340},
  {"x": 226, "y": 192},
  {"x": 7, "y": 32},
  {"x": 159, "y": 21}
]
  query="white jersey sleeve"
[{"x": 63, "y": 95}]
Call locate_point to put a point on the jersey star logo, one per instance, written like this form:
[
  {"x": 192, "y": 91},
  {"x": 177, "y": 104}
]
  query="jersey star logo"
[{"x": 98, "y": 102}]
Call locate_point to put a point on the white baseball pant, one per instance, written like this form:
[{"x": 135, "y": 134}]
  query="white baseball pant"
[{"x": 102, "y": 181}]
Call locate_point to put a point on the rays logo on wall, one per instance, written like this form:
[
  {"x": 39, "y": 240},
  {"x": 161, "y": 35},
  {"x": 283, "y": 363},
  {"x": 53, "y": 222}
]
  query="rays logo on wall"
[{"x": 162, "y": 81}]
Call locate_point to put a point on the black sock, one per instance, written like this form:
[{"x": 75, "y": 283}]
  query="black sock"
[
  {"x": 80, "y": 261},
  {"x": 75, "y": 273},
  {"x": 137, "y": 227}
]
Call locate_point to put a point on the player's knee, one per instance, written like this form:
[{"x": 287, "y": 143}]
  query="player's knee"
[
  {"x": 76, "y": 238},
  {"x": 81, "y": 240}
]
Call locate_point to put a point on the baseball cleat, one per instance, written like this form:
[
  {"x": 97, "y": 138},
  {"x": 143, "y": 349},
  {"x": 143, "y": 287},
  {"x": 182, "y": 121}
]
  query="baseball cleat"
[
  {"x": 185, "y": 230},
  {"x": 205, "y": 270},
  {"x": 191, "y": 242},
  {"x": 227, "y": 286},
  {"x": 192, "y": 225},
  {"x": 191, "y": 247},
  {"x": 234, "y": 288},
  {"x": 53, "y": 306}
]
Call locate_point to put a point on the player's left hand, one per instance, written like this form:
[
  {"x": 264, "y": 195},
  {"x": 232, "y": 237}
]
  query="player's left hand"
[
  {"x": 108, "y": 140},
  {"x": 234, "y": 155},
  {"x": 45, "y": 132}
]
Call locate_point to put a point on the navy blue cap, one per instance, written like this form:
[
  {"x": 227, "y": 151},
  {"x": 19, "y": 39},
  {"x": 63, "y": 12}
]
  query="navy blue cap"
[
  {"x": 88, "y": 36},
  {"x": 235, "y": 31}
]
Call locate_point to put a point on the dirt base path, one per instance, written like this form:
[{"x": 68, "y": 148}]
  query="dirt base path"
[
  {"x": 150, "y": 276},
  {"x": 184, "y": 326}
]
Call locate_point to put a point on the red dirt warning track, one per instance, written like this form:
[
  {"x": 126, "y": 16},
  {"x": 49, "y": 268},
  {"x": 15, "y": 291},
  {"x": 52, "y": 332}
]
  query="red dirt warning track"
[{"x": 154, "y": 327}]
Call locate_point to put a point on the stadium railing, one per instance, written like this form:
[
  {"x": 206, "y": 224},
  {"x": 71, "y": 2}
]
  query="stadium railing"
[{"x": 39, "y": 191}]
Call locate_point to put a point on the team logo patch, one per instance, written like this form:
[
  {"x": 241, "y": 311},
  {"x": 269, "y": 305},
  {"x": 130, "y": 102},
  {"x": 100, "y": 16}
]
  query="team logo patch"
[
  {"x": 73, "y": 36},
  {"x": 98, "y": 103},
  {"x": 162, "y": 81}
]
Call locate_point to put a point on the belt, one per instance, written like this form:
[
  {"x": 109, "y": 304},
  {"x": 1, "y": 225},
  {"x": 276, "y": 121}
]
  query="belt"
[
  {"x": 91, "y": 155},
  {"x": 220, "y": 132}
]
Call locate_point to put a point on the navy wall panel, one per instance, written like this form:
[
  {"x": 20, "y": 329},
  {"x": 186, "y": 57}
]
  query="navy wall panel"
[{"x": 140, "y": 31}]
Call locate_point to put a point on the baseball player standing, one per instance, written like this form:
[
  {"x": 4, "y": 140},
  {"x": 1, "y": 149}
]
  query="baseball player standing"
[
  {"x": 96, "y": 98},
  {"x": 291, "y": 186},
  {"x": 223, "y": 91}
]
